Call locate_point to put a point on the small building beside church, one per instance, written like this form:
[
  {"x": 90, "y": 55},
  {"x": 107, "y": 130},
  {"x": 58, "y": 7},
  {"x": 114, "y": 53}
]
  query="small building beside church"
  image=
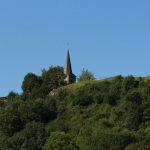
[{"x": 70, "y": 77}]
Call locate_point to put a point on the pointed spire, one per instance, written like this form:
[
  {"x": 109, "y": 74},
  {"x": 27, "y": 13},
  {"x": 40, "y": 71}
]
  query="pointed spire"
[
  {"x": 70, "y": 77},
  {"x": 68, "y": 68}
]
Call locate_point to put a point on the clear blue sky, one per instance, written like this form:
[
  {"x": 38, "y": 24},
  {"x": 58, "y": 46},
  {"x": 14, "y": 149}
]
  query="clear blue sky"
[{"x": 108, "y": 37}]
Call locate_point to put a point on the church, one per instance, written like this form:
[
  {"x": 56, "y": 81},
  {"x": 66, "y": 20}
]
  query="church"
[{"x": 70, "y": 77}]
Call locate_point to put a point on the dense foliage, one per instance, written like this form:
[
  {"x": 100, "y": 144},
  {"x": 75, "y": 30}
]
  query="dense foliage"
[
  {"x": 35, "y": 86},
  {"x": 112, "y": 114}
]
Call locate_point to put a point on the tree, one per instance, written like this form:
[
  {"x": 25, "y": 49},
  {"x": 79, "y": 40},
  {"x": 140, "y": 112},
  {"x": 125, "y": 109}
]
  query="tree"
[
  {"x": 12, "y": 95},
  {"x": 81, "y": 98},
  {"x": 32, "y": 137},
  {"x": 35, "y": 86},
  {"x": 134, "y": 96},
  {"x": 60, "y": 140},
  {"x": 38, "y": 110},
  {"x": 52, "y": 79},
  {"x": 31, "y": 85},
  {"x": 129, "y": 83},
  {"x": 86, "y": 75},
  {"x": 10, "y": 121}
]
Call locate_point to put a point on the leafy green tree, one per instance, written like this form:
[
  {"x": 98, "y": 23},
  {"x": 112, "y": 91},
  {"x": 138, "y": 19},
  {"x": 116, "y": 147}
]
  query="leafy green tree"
[
  {"x": 12, "y": 95},
  {"x": 10, "y": 121},
  {"x": 110, "y": 98},
  {"x": 37, "y": 110},
  {"x": 146, "y": 114},
  {"x": 98, "y": 98},
  {"x": 104, "y": 140},
  {"x": 82, "y": 99},
  {"x": 134, "y": 96},
  {"x": 129, "y": 83},
  {"x": 138, "y": 146},
  {"x": 99, "y": 138},
  {"x": 129, "y": 115},
  {"x": 32, "y": 137},
  {"x": 2, "y": 103},
  {"x": 60, "y": 140},
  {"x": 31, "y": 86},
  {"x": 3, "y": 142},
  {"x": 52, "y": 79},
  {"x": 30, "y": 81},
  {"x": 141, "y": 143},
  {"x": 86, "y": 75}
]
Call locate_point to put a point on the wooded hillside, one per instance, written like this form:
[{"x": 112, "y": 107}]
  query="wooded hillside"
[{"x": 111, "y": 114}]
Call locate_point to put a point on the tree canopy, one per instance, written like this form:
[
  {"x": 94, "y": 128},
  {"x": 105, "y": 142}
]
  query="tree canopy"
[{"x": 35, "y": 86}]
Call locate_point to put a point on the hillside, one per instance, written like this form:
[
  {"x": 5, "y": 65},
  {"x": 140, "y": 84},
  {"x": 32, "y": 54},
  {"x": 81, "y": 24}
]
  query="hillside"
[
  {"x": 109, "y": 114},
  {"x": 78, "y": 85},
  {"x": 75, "y": 86}
]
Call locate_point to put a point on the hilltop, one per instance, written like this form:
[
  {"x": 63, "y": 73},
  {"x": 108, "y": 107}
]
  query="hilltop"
[
  {"x": 102, "y": 114},
  {"x": 78, "y": 85}
]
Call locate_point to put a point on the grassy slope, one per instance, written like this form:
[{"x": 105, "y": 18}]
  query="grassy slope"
[
  {"x": 78, "y": 85},
  {"x": 75, "y": 86},
  {"x": 83, "y": 83}
]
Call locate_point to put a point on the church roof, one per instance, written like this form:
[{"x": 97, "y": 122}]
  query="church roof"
[{"x": 68, "y": 68}]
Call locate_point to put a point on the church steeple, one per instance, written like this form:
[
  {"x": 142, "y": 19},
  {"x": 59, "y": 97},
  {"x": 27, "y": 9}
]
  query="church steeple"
[
  {"x": 70, "y": 77},
  {"x": 68, "y": 68}
]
